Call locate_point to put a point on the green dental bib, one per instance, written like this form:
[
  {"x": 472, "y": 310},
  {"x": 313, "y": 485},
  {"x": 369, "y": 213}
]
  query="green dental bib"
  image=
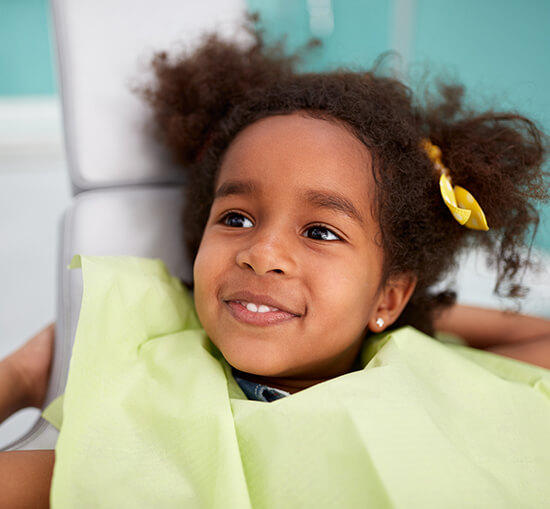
[{"x": 152, "y": 418}]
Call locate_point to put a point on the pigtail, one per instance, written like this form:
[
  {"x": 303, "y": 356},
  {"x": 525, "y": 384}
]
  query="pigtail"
[{"x": 499, "y": 157}]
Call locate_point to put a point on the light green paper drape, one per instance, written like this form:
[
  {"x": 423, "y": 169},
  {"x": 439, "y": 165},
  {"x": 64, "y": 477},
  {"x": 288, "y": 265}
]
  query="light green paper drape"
[{"x": 153, "y": 418}]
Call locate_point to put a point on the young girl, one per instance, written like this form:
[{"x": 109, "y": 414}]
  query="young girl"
[{"x": 320, "y": 210}]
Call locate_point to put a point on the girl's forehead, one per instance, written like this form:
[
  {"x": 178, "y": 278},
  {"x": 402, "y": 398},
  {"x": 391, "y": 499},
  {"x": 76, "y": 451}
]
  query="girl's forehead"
[{"x": 301, "y": 148}]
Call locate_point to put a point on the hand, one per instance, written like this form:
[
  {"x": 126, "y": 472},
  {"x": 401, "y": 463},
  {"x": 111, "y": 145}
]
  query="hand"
[{"x": 24, "y": 374}]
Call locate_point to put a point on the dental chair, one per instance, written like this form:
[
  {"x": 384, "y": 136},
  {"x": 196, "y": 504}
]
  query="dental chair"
[
  {"x": 127, "y": 193},
  {"x": 127, "y": 196}
]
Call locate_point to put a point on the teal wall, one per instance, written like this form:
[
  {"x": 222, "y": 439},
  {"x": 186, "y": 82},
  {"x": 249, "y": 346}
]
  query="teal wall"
[
  {"x": 291, "y": 19},
  {"x": 497, "y": 48},
  {"x": 26, "y": 66}
]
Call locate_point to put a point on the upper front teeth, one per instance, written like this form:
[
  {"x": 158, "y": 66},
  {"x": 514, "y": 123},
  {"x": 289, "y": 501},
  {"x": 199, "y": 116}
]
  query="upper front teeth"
[{"x": 262, "y": 308}]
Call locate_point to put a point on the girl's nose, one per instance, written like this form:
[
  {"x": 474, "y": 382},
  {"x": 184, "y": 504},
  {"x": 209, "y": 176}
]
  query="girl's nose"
[{"x": 267, "y": 253}]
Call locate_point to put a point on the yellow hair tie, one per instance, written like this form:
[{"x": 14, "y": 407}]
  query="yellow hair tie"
[{"x": 461, "y": 203}]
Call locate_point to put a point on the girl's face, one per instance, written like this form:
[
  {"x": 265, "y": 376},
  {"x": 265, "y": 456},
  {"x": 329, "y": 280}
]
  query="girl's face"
[{"x": 288, "y": 273}]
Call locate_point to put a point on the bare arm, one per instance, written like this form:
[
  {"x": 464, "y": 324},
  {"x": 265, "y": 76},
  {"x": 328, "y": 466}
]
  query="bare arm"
[
  {"x": 25, "y": 478},
  {"x": 522, "y": 337}
]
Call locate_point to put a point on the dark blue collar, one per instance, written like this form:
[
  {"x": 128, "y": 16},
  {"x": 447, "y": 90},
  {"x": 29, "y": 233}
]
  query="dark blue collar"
[{"x": 260, "y": 392}]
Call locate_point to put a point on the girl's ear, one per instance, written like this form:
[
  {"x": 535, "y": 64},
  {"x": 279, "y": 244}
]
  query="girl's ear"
[{"x": 391, "y": 302}]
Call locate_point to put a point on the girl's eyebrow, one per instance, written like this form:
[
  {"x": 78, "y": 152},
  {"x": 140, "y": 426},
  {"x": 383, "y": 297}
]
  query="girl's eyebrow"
[
  {"x": 233, "y": 187},
  {"x": 334, "y": 201}
]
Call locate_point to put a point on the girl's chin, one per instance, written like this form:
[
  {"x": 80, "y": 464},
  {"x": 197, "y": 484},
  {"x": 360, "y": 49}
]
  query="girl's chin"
[
  {"x": 259, "y": 369},
  {"x": 262, "y": 366}
]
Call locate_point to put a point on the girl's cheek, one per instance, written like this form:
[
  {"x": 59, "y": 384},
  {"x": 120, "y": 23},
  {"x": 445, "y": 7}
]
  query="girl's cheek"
[
  {"x": 207, "y": 267},
  {"x": 199, "y": 278}
]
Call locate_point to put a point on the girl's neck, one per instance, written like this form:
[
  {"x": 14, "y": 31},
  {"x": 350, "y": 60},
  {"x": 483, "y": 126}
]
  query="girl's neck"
[{"x": 292, "y": 384}]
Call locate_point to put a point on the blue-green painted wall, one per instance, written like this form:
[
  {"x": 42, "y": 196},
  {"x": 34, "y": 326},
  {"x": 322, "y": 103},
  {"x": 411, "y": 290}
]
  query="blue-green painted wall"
[
  {"x": 367, "y": 21},
  {"x": 498, "y": 48},
  {"x": 26, "y": 66}
]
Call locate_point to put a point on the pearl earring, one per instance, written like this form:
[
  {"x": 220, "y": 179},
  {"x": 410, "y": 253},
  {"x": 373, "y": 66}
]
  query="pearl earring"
[{"x": 380, "y": 322}]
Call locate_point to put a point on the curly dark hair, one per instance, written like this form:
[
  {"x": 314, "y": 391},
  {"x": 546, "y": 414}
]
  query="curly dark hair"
[{"x": 204, "y": 98}]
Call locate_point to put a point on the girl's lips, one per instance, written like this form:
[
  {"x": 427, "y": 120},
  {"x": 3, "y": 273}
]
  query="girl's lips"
[
  {"x": 246, "y": 297},
  {"x": 273, "y": 316}
]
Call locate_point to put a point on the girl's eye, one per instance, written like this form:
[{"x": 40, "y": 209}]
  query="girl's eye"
[
  {"x": 236, "y": 220},
  {"x": 320, "y": 233}
]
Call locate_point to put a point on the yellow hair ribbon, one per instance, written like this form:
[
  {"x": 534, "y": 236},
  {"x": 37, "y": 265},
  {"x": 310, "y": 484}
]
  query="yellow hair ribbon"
[{"x": 463, "y": 206}]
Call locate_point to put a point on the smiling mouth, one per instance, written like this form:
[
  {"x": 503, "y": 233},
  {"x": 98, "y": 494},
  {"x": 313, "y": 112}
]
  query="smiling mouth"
[{"x": 257, "y": 313}]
